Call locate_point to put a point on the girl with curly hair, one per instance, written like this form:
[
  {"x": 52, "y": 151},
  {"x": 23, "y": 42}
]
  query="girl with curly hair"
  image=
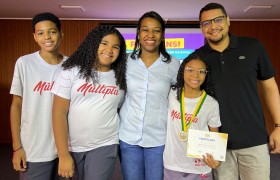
[
  {"x": 87, "y": 94},
  {"x": 194, "y": 89}
]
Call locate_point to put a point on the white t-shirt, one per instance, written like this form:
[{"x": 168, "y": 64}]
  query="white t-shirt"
[
  {"x": 33, "y": 81},
  {"x": 174, "y": 156},
  {"x": 93, "y": 120}
]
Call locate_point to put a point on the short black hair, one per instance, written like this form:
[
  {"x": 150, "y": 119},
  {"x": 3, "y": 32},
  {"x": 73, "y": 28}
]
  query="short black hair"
[
  {"x": 212, "y": 6},
  {"x": 46, "y": 16}
]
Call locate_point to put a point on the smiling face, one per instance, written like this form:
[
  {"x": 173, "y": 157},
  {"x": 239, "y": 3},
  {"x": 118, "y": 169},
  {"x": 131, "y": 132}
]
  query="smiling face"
[
  {"x": 215, "y": 32},
  {"x": 108, "y": 52},
  {"x": 194, "y": 74},
  {"x": 47, "y": 36},
  {"x": 150, "y": 35}
]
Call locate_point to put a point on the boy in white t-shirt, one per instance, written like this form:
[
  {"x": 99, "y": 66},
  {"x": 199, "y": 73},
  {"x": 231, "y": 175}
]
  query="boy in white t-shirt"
[
  {"x": 190, "y": 102},
  {"x": 34, "y": 151},
  {"x": 87, "y": 95}
]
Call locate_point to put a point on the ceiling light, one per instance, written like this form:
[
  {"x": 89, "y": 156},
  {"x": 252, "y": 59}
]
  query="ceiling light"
[
  {"x": 249, "y": 8},
  {"x": 73, "y": 7}
]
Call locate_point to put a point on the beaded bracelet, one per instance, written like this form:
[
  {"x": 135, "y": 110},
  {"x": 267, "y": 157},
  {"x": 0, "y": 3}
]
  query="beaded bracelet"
[{"x": 17, "y": 149}]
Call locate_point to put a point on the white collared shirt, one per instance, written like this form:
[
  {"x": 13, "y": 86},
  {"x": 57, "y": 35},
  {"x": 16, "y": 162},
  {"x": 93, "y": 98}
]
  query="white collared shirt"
[{"x": 144, "y": 112}]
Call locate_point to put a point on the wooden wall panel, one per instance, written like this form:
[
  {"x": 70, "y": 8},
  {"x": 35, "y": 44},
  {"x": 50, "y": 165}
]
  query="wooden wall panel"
[
  {"x": 17, "y": 40},
  {"x": 74, "y": 33}
]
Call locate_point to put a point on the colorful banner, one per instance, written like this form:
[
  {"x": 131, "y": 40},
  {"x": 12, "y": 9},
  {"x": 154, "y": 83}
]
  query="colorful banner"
[{"x": 178, "y": 45}]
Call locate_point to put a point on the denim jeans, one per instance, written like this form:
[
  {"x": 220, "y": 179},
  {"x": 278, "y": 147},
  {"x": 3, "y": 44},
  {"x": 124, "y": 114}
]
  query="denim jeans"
[{"x": 141, "y": 163}]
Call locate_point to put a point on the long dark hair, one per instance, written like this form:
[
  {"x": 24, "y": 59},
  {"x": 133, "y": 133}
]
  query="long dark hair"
[
  {"x": 86, "y": 57},
  {"x": 207, "y": 85},
  {"x": 162, "y": 49}
]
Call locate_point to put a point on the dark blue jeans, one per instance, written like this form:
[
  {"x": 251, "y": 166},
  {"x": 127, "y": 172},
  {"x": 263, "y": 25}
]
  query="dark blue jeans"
[{"x": 141, "y": 163}]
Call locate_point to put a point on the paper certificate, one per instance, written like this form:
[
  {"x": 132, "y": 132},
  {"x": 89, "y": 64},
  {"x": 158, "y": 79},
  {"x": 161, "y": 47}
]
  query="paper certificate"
[{"x": 202, "y": 142}]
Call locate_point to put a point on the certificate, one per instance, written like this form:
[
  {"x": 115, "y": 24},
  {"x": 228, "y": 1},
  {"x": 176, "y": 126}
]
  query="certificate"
[{"x": 202, "y": 142}]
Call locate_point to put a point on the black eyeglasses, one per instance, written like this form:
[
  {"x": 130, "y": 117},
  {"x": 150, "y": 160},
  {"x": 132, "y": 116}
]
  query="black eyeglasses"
[{"x": 217, "y": 20}]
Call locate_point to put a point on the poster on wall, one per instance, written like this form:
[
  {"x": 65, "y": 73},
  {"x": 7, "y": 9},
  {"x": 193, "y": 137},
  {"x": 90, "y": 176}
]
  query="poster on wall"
[{"x": 179, "y": 42}]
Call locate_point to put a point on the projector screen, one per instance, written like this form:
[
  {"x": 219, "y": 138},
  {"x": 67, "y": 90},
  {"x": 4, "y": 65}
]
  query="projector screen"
[{"x": 179, "y": 42}]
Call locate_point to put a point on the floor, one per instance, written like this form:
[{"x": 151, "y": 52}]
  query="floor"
[{"x": 7, "y": 172}]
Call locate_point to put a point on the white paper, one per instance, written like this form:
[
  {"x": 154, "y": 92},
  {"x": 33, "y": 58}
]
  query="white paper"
[{"x": 202, "y": 142}]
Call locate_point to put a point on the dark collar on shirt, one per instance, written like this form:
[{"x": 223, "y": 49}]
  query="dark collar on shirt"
[{"x": 233, "y": 43}]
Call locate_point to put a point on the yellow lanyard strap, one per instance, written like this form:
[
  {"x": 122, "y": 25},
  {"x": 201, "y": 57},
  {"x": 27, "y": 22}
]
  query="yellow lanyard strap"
[{"x": 185, "y": 126}]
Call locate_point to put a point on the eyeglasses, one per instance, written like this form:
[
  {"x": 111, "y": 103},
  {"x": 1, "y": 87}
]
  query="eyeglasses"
[
  {"x": 191, "y": 71},
  {"x": 207, "y": 23}
]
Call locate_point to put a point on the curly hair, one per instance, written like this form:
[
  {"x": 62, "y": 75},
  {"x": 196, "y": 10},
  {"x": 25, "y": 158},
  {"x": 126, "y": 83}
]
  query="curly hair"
[
  {"x": 162, "y": 48},
  {"x": 46, "y": 16},
  {"x": 207, "y": 85},
  {"x": 86, "y": 57}
]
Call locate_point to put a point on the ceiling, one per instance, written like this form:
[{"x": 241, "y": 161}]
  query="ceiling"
[{"x": 170, "y": 10}]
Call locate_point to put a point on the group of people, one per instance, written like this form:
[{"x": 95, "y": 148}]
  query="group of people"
[{"x": 71, "y": 117}]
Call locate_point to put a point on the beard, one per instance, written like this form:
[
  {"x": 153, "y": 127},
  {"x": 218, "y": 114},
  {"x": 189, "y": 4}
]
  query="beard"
[{"x": 216, "y": 41}]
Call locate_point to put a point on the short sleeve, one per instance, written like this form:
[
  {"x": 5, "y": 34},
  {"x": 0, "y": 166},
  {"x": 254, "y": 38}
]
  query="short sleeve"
[
  {"x": 17, "y": 82},
  {"x": 63, "y": 84},
  {"x": 265, "y": 68}
]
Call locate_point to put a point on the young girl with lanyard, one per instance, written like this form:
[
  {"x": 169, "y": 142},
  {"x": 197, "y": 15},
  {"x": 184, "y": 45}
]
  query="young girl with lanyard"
[
  {"x": 86, "y": 97},
  {"x": 190, "y": 107}
]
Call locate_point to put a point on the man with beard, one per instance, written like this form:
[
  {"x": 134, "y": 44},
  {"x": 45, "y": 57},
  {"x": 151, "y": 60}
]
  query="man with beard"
[{"x": 237, "y": 65}]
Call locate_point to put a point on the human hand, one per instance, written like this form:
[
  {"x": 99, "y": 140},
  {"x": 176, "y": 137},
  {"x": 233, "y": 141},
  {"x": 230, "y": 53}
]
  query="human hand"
[
  {"x": 66, "y": 166},
  {"x": 274, "y": 141},
  {"x": 210, "y": 161},
  {"x": 19, "y": 160}
]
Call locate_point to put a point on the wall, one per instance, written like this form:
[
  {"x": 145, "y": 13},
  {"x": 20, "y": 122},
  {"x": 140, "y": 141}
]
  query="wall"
[{"x": 17, "y": 40}]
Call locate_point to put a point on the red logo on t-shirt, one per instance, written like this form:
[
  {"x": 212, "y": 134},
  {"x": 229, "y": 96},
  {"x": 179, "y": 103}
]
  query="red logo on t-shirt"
[
  {"x": 43, "y": 86},
  {"x": 199, "y": 162},
  {"x": 177, "y": 115},
  {"x": 100, "y": 89}
]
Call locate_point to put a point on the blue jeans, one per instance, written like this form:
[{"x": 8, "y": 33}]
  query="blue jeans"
[{"x": 141, "y": 163}]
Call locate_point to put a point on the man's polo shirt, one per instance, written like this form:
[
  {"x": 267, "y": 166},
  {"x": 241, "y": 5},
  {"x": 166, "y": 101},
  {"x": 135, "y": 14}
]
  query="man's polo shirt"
[{"x": 235, "y": 72}]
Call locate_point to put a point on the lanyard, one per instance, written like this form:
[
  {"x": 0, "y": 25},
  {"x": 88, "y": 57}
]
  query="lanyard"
[{"x": 185, "y": 126}]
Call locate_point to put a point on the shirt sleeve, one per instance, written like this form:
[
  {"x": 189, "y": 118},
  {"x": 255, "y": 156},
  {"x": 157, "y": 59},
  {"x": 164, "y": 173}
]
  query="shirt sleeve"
[
  {"x": 214, "y": 120},
  {"x": 174, "y": 70},
  {"x": 63, "y": 84},
  {"x": 17, "y": 82},
  {"x": 265, "y": 68}
]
